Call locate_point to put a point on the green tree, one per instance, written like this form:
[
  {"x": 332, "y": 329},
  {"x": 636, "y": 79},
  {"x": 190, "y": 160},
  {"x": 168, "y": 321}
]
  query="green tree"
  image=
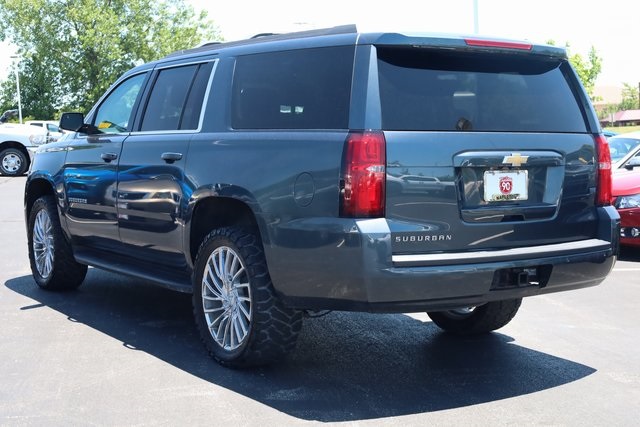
[
  {"x": 587, "y": 69},
  {"x": 35, "y": 88},
  {"x": 629, "y": 98},
  {"x": 72, "y": 50}
]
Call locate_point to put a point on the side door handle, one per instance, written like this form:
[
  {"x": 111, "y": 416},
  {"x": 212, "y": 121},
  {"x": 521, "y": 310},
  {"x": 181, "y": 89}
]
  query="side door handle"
[
  {"x": 108, "y": 157},
  {"x": 171, "y": 157}
]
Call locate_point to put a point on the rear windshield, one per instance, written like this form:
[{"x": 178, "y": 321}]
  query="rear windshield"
[{"x": 461, "y": 91}]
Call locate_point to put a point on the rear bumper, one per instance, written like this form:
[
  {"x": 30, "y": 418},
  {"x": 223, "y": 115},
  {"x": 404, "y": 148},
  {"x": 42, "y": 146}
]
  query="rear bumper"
[
  {"x": 410, "y": 289},
  {"x": 630, "y": 227},
  {"x": 432, "y": 289},
  {"x": 351, "y": 267}
]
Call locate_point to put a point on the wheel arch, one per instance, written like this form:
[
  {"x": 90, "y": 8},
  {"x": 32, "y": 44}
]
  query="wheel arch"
[
  {"x": 35, "y": 188},
  {"x": 17, "y": 145},
  {"x": 215, "y": 211}
]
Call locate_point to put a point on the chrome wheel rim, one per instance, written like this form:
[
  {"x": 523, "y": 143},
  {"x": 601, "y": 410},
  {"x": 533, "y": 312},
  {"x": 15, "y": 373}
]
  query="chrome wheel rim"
[
  {"x": 11, "y": 163},
  {"x": 462, "y": 311},
  {"x": 226, "y": 298},
  {"x": 43, "y": 249},
  {"x": 458, "y": 313}
]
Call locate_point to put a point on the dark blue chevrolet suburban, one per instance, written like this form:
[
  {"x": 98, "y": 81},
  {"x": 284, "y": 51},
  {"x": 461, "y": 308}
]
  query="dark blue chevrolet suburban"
[{"x": 332, "y": 170}]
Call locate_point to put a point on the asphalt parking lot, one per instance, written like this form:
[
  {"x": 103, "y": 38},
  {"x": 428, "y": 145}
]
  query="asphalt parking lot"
[{"x": 123, "y": 352}]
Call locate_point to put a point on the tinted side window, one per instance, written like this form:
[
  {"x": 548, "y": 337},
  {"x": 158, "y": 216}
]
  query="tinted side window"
[
  {"x": 167, "y": 98},
  {"x": 453, "y": 91},
  {"x": 193, "y": 106},
  {"x": 114, "y": 113},
  {"x": 176, "y": 98},
  {"x": 299, "y": 89}
]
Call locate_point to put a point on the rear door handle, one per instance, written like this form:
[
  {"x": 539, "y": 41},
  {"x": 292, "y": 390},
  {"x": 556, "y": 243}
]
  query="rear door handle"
[
  {"x": 108, "y": 157},
  {"x": 171, "y": 157}
]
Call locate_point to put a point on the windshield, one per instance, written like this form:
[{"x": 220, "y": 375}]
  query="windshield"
[
  {"x": 620, "y": 147},
  {"x": 463, "y": 91}
]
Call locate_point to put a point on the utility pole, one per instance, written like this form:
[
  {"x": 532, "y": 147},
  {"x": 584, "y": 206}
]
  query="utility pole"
[{"x": 18, "y": 86}]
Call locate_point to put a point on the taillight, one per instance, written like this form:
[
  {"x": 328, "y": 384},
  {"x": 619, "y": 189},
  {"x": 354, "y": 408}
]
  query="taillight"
[
  {"x": 498, "y": 43},
  {"x": 603, "y": 190},
  {"x": 363, "y": 175}
]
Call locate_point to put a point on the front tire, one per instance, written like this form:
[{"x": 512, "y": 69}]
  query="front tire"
[
  {"x": 240, "y": 319},
  {"x": 13, "y": 162},
  {"x": 50, "y": 255},
  {"x": 477, "y": 320}
]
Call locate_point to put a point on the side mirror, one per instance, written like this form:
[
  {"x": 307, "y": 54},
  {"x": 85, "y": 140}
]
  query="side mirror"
[
  {"x": 72, "y": 121},
  {"x": 632, "y": 163}
]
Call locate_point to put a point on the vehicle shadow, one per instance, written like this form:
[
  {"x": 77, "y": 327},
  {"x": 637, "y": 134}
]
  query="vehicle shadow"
[{"x": 347, "y": 366}]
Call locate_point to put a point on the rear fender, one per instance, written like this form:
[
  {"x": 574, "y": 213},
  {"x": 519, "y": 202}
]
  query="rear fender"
[{"x": 219, "y": 205}]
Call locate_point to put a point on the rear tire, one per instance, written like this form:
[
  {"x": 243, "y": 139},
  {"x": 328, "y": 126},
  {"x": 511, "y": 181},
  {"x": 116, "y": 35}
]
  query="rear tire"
[
  {"x": 13, "y": 162},
  {"x": 240, "y": 319},
  {"x": 477, "y": 320},
  {"x": 50, "y": 255}
]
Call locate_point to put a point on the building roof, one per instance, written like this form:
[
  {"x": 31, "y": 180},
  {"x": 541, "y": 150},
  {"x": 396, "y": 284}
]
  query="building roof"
[{"x": 627, "y": 116}]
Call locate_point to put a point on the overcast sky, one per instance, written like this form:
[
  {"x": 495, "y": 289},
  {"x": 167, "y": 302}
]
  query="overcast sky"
[{"x": 609, "y": 26}]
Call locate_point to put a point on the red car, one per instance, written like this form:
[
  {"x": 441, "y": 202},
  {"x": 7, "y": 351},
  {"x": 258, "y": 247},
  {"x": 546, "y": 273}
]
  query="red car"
[
  {"x": 625, "y": 156},
  {"x": 626, "y": 199}
]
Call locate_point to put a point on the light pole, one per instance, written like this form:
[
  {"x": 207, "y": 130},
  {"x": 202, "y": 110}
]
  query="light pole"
[
  {"x": 18, "y": 87},
  {"x": 476, "y": 20}
]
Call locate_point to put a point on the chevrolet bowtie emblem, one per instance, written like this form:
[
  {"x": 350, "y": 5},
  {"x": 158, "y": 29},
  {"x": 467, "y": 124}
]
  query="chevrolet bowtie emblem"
[{"x": 515, "y": 159}]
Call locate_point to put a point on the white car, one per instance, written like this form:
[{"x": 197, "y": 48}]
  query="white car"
[
  {"x": 18, "y": 144},
  {"x": 53, "y": 130}
]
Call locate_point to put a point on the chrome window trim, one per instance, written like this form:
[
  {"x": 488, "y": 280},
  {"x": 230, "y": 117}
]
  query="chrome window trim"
[
  {"x": 202, "y": 108},
  {"x": 185, "y": 64},
  {"x": 206, "y": 94}
]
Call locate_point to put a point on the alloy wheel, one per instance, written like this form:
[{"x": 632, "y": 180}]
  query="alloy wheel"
[
  {"x": 462, "y": 311},
  {"x": 226, "y": 298},
  {"x": 43, "y": 245}
]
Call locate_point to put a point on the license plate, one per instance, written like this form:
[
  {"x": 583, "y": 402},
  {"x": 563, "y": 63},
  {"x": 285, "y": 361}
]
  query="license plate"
[{"x": 501, "y": 186}]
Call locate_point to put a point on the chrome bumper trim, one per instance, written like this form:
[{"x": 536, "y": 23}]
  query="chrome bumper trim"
[{"x": 506, "y": 254}]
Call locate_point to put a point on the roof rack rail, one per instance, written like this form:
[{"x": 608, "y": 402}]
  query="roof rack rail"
[
  {"x": 257, "y": 36},
  {"x": 264, "y": 37}
]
